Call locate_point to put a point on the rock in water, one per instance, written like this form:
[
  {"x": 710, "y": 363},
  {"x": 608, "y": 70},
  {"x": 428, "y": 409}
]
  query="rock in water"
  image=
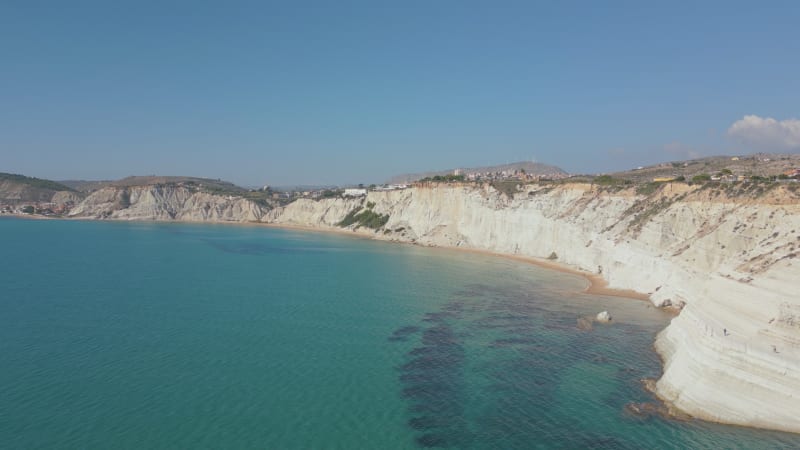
[
  {"x": 604, "y": 317},
  {"x": 584, "y": 323}
]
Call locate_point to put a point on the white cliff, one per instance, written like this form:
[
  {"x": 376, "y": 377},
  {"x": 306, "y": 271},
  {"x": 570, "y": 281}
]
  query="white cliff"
[
  {"x": 166, "y": 202},
  {"x": 733, "y": 353},
  {"x": 65, "y": 197}
]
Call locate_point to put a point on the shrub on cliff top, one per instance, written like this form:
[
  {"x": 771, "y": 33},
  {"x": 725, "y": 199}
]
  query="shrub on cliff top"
[
  {"x": 647, "y": 188},
  {"x": 509, "y": 188},
  {"x": 442, "y": 178},
  {"x": 611, "y": 184}
]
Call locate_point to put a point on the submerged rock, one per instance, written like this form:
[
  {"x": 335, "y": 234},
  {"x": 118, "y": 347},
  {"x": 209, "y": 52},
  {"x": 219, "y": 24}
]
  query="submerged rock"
[
  {"x": 585, "y": 323},
  {"x": 645, "y": 410}
]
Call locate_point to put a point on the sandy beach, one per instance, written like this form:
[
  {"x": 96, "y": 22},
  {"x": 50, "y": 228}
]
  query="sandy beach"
[{"x": 597, "y": 285}]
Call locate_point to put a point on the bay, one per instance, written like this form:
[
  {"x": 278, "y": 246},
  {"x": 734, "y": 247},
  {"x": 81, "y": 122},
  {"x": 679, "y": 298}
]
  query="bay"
[{"x": 146, "y": 335}]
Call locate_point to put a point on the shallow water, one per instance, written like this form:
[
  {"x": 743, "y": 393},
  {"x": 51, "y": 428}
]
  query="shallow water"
[{"x": 137, "y": 335}]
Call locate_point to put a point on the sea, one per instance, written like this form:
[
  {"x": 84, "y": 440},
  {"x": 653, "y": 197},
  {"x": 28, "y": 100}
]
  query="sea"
[{"x": 131, "y": 335}]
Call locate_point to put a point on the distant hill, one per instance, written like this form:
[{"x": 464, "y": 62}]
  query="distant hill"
[
  {"x": 20, "y": 189},
  {"x": 149, "y": 180},
  {"x": 85, "y": 185},
  {"x": 532, "y": 168},
  {"x": 208, "y": 183}
]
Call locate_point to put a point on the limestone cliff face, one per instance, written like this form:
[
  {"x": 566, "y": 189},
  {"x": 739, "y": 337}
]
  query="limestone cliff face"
[
  {"x": 64, "y": 197},
  {"x": 733, "y": 353},
  {"x": 314, "y": 213},
  {"x": 166, "y": 203}
]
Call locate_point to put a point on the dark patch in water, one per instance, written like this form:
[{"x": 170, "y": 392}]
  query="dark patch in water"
[
  {"x": 429, "y": 422},
  {"x": 439, "y": 335},
  {"x": 432, "y": 379},
  {"x": 434, "y": 361},
  {"x": 455, "y": 307},
  {"x": 251, "y": 249},
  {"x": 431, "y": 440},
  {"x": 510, "y": 342},
  {"x": 420, "y": 378},
  {"x": 257, "y": 249},
  {"x": 533, "y": 348},
  {"x": 403, "y": 333},
  {"x": 427, "y": 391},
  {"x": 419, "y": 351},
  {"x": 439, "y": 317}
]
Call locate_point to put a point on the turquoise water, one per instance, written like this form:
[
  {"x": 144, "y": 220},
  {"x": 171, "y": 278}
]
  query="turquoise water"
[{"x": 136, "y": 335}]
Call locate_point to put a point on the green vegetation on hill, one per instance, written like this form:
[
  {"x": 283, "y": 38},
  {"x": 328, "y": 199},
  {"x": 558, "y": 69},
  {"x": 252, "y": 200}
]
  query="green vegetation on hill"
[
  {"x": 260, "y": 197},
  {"x": 34, "y": 182},
  {"x": 753, "y": 189},
  {"x": 608, "y": 180},
  {"x": 648, "y": 188},
  {"x": 172, "y": 180},
  {"x": 646, "y": 209},
  {"x": 365, "y": 218},
  {"x": 331, "y": 193},
  {"x": 509, "y": 188},
  {"x": 443, "y": 178},
  {"x": 611, "y": 184}
]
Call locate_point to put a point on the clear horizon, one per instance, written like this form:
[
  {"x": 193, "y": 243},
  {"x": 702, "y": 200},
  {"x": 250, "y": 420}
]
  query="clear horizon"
[{"x": 356, "y": 93}]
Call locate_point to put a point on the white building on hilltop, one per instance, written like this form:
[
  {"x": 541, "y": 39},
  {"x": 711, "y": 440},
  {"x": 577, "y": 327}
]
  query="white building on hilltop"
[{"x": 354, "y": 192}]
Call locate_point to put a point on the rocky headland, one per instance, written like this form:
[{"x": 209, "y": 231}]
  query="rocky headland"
[{"x": 167, "y": 202}]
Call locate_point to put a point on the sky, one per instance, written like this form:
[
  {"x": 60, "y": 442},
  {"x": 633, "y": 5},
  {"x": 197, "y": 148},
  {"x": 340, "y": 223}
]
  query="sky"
[{"x": 354, "y": 92}]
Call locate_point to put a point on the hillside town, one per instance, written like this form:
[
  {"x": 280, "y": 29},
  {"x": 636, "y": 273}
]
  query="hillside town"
[{"x": 508, "y": 175}]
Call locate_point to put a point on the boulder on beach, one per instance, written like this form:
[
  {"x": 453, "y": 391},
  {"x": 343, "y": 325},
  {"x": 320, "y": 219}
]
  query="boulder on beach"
[{"x": 604, "y": 317}]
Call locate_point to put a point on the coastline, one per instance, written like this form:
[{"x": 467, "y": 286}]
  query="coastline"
[
  {"x": 597, "y": 285},
  {"x": 30, "y": 216}
]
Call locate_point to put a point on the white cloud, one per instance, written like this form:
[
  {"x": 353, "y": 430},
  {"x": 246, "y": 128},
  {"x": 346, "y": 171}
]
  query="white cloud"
[{"x": 767, "y": 133}]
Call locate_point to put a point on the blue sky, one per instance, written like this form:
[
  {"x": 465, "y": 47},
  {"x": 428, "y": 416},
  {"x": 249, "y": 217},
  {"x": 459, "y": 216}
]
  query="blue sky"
[{"x": 350, "y": 92}]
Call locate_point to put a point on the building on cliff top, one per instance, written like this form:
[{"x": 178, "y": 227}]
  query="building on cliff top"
[{"x": 354, "y": 193}]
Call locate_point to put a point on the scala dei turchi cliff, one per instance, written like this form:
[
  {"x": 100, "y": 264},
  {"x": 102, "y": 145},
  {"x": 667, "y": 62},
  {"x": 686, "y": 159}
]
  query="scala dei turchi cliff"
[{"x": 726, "y": 254}]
